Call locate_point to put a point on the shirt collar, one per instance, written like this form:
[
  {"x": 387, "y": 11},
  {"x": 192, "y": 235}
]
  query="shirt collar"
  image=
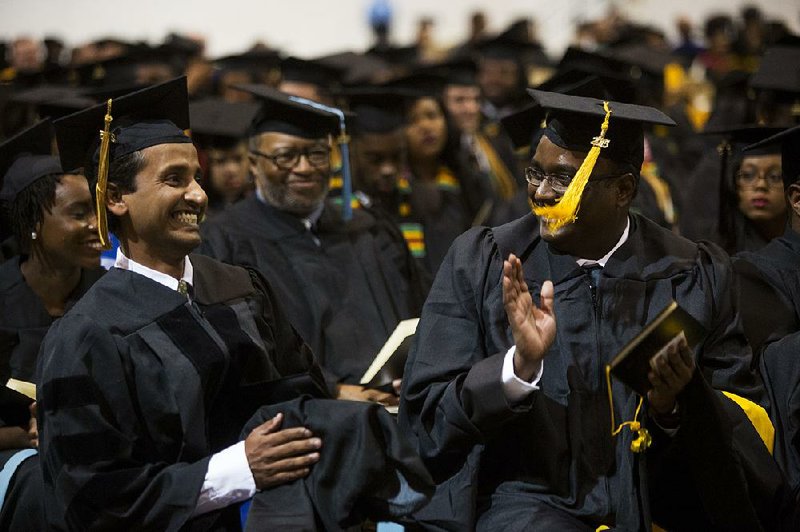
[
  {"x": 124, "y": 263},
  {"x": 602, "y": 260}
]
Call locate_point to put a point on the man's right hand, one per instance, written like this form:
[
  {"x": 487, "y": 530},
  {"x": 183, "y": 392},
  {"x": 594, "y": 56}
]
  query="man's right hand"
[
  {"x": 533, "y": 328},
  {"x": 279, "y": 456}
]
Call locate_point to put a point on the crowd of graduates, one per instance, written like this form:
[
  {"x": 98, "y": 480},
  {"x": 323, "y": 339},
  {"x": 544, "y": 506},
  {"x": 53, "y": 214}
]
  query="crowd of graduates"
[{"x": 201, "y": 257}]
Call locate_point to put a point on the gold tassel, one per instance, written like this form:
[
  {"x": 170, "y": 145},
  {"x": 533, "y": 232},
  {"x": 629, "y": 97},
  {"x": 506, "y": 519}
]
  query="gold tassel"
[
  {"x": 106, "y": 137},
  {"x": 565, "y": 211},
  {"x": 643, "y": 439}
]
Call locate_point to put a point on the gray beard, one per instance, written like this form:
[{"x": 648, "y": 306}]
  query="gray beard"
[{"x": 279, "y": 197}]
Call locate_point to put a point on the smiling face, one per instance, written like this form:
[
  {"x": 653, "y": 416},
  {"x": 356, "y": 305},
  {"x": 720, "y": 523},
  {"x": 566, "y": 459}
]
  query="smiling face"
[
  {"x": 299, "y": 189},
  {"x": 159, "y": 221},
  {"x": 68, "y": 232},
  {"x": 604, "y": 204}
]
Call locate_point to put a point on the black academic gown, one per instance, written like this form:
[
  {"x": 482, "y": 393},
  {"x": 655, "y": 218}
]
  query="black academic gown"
[
  {"x": 494, "y": 461},
  {"x": 383, "y": 479},
  {"x": 770, "y": 296},
  {"x": 24, "y": 320},
  {"x": 139, "y": 387},
  {"x": 345, "y": 296}
]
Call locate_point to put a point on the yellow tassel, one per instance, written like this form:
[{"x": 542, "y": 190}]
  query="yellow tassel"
[
  {"x": 643, "y": 439},
  {"x": 565, "y": 211},
  {"x": 102, "y": 180}
]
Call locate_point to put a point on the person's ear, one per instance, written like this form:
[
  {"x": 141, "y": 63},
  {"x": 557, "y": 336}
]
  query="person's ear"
[
  {"x": 626, "y": 187},
  {"x": 793, "y": 196},
  {"x": 115, "y": 203}
]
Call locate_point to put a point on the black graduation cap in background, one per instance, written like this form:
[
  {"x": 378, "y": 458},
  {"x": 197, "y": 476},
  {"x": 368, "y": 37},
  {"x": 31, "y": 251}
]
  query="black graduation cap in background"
[
  {"x": 459, "y": 70},
  {"x": 356, "y": 69},
  {"x": 26, "y": 157},
  {"x": 396, "y": 55},
  {"x": 282, "y": 113},
  {"x": 743, "y": 135},
  {"x": 377, "y": 109},
  {"x": 218, "y": 123},
  {"x": 56, "y": 101},
  {"x": 779, "y": 70},
  {"x": 574, "y": 121},
  {"x": 124, "y": 69},
  {"x": 789, "y": 142},
  {"x": 148, "y": 117},
  {"x": 251, "y": 61},
  {"x": 311, "y": 71},
  {"x": 513, "y": 43}
]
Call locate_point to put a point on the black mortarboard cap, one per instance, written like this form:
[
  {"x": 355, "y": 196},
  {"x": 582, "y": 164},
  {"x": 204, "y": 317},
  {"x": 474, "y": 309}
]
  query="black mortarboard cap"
[
  {"x": 420, "y": 83},
  {"x": 454, "y": 71},
  {"x": 282, "y": 113},
  {"x": 377, "y": 109},
  {"x": 218, "y": 123},
  {"x": 789, "y": 141},
  {"x": 26, "y": 157},
  {"x": 310, "y": 71},
  {"x": 252, "y": 61},
  {"x": 148, "y": 117},
  {"x": 779, "y": 70},
  {"x": 745, "y": 135},
  {"x": 522, "y": 125},
  {"x": 573, "y": 121},
  {"x": 396, "y": 55},
  {"x": 513, "y": 43},
  {"x": 124, "y": 69},
  {"x": 356, "y": 68}
]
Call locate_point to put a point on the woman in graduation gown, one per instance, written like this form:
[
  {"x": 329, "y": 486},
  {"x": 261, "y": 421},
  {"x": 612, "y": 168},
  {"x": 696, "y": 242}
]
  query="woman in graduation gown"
[
  {"x": 753, "y": 208},
  {"x": 439, "y": 189},
  {"x": 53, "y": 220}
]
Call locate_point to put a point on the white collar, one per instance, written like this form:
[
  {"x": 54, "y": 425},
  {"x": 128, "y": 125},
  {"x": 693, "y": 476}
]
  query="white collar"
[
  {"x": 602, "y": 260},
  {"x": 124, "y": 263}
]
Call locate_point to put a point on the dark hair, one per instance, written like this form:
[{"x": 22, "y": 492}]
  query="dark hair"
[
  {"x": 122, "y": 172},
  {"x": 27, "y": 209},
  {"x": 454, "y": 157}
]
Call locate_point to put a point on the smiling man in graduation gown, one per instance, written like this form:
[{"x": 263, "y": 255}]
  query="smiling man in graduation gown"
[
  {"x": 508, "y": 396},
  {"x": 345, "y": 284},
  {"x": 147, "y": 381}
]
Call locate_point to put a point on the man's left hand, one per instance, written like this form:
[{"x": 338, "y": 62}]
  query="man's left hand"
[{"x": 671, "y": 369}]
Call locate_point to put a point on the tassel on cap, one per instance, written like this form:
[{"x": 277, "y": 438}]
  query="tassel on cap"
[
  {"x": 106, "y": 138},
  {"x": 565, "y": 211}
]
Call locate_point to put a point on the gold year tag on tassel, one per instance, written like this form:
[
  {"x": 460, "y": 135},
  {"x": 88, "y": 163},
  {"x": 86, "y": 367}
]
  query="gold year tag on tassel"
[{"x": 642, "y": 441}]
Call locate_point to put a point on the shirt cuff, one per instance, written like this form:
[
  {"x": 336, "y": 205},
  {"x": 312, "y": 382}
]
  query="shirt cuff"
[
  {"x": 516, "y": 389},
  {"x": 228, "y": 480}
]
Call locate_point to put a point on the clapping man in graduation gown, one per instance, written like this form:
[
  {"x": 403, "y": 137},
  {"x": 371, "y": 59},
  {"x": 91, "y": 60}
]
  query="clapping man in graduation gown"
[
  {"x": 145, "y": 382},
  {"x": 505, "y": 388}
]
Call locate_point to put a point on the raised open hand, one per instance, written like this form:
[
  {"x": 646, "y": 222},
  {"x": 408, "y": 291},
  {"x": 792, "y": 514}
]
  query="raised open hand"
[{"x": 534, "y": 328}]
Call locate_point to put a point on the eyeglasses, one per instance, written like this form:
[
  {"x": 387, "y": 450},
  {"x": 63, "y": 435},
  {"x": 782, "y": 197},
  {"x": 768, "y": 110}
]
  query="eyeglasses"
[
  {"x": 558, "y": 182},
  {"x": 317, "y": 157},
  {"x": 749, "y": 178}
]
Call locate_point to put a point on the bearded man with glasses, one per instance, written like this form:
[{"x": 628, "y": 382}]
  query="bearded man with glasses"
[{"x": 345, "y": 284}]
